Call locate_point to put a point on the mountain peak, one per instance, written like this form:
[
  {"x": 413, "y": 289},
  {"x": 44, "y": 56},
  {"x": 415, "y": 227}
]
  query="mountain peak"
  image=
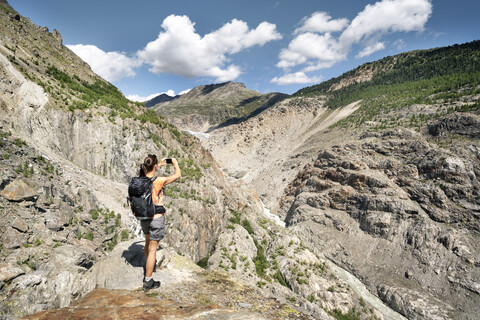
[
  {"x": 223, "y": 88},
  {"x": 207, "y": 106}
]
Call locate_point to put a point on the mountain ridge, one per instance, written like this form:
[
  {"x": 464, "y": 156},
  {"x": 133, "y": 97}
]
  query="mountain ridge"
[
  {"x": 207, "y": 106},
  {"x": 159, "y": 99}
]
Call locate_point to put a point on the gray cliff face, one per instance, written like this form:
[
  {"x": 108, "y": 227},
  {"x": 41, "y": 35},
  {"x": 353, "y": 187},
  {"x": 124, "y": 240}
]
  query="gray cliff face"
[
  {"x": 411, "y": 207},
  {"x": 53, "y": 229},
  {"x": 65, "y": 173},
  {"x": 114, "y": 149}
]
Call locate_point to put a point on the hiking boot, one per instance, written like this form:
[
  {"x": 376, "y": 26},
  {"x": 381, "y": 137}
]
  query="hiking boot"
[{"x": 151, "y": 284}]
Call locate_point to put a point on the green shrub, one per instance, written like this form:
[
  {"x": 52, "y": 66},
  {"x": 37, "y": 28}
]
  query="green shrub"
[
  {"x": 94, "y": 214},
  {"x": 278, "y": 276},
  {"x": 236, "y": 217},
  {"x": 111, "y": 244},
  {"x": 260, "y": 260},
  {"x": 88, "y": 235},
  {"x": 351, "y": 315},
  {"x": 124, "y": 235},
  {"x": 246, "y": 224},
  {"x": 203, "y": 262}
]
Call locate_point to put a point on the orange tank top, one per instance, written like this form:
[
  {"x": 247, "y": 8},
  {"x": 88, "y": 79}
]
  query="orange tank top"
[{"x": 157, "y": 194}]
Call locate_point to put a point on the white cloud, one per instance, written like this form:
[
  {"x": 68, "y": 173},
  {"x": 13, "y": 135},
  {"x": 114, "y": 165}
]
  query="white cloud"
[
  {"x": 387, "y": 16},
  {"x": 310, "y": 46},
  {"x": 368, "y": 50},
  {"x": 180, "y": 50},
  {"x": 316, "y": 51},
  {"x": 184, "y": 92},
  {"x": 111, "y": 66},
  {"x": 135, "y": 97},
  {"x": 171, "y": 93},
  {"x": 321, "y": 22},
  {"x": 295, "y": 78}
]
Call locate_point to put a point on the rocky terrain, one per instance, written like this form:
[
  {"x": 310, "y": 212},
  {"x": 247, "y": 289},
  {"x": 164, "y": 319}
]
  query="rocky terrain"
[
  {"x": 54, "y": 228},
  {"x": 401, "y": 213},
  {"x": 267, "y": 151},
  {"x": 70, "y": 143},
  {"x": 209, "y": 106},
  {"x": 187, "y": 292},
  {"x": 374, "y": 192},
  {"x": 381, "y": 183}
]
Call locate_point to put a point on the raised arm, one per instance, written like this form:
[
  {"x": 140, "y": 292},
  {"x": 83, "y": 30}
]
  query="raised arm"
[{"x": 174, "y": 176}]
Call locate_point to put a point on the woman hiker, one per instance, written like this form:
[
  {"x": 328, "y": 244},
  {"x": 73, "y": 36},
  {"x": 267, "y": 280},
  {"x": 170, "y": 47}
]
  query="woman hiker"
[{"x": 154, "y": 228}]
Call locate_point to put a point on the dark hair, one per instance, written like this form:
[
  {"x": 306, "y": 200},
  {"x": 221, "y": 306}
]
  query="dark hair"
[{"x": 147, "y": 165}]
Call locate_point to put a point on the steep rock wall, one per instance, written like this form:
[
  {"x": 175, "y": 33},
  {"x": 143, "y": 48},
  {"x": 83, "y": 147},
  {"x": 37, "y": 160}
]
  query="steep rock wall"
[
  {"x": 113, "y": 149},
  {"x": 399, "y": 213}
]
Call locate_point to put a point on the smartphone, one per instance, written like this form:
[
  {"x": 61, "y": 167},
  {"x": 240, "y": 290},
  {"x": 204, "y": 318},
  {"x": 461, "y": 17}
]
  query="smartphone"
[{"x": 168, "y": 161}]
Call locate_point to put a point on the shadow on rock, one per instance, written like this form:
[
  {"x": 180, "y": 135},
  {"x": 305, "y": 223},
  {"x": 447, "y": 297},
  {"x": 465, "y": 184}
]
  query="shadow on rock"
[{"x": 134, "y": 255}]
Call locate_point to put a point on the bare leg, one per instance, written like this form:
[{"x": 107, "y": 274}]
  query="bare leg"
[
  {"x": 152, "y": 252},
  {"x": 145, "y": 248}
]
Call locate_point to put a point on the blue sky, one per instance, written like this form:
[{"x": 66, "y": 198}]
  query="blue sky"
[{"x": 149, "y": 47}]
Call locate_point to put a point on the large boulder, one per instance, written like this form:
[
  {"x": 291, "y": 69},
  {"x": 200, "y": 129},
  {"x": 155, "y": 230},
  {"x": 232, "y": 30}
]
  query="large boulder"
[
  {"x": 8, "y": 272},
  {"x": 17, "y": 190},
  {"x": 12, "y": 239},
  {"x": 124, "y": 268}
]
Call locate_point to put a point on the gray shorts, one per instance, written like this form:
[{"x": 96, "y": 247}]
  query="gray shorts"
[{"x": 154, "y": 227}]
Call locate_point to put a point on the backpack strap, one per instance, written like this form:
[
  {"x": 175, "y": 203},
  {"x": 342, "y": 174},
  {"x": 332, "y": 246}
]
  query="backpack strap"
[{"x": 161, "y": 189}]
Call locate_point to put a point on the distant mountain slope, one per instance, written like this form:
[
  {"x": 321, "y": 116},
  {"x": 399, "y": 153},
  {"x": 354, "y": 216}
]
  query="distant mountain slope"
[
  {"x": 159, "y": 99},
  {"x": 208, "y": 106},
  {"x": 421, "y": 76},
  {"x": 378, "y": 168}
]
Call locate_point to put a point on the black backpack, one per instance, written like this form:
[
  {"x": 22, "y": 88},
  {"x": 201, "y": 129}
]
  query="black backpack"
[{"x": 140, "y": 197}]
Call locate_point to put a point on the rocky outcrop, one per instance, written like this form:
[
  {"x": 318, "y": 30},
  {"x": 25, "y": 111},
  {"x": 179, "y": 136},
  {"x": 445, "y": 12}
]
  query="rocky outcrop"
[
  {"x": 18, "y": 190},
  {"x": 461, "y": 124},
  {"x": 187, "y": 292},
  {"x": 267, "y": 151},
  {"x": 263, "y": 253},
  {"x": 52, "y": 230},
  {"x": 401, "y": 214}
]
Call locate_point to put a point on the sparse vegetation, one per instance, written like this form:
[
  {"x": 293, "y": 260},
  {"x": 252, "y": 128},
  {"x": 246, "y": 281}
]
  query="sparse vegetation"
[
  {"x": 419, "y": 77},
  {"x": 351, "y": 315},
  {"x": 124, "y": 235},
  {"x": 260, "y": 261}
]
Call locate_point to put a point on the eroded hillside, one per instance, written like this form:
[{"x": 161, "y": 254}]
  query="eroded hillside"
[
  {"x": 378, "y": 170},
  {"x": 89, "y": 139},
  {"x": 71, "y": 142},
  {"x": 267, "y": 151}
]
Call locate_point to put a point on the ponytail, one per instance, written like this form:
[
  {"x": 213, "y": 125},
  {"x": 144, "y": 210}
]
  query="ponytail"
[{"x": 147, "y": 165}]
